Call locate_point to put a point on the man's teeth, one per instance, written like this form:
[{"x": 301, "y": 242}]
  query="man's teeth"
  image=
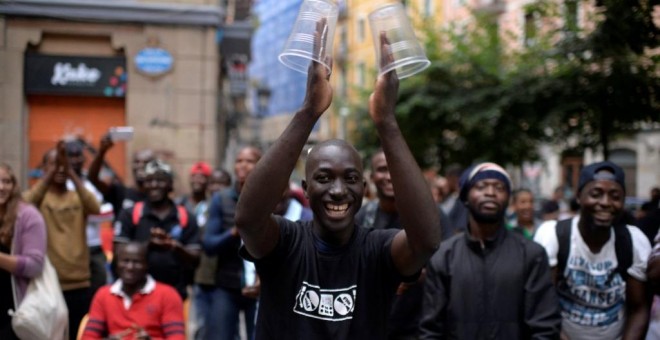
[{"x": 334, "y": 207}]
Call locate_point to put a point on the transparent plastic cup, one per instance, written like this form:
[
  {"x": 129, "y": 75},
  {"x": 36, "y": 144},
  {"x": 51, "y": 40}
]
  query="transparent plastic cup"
[
  {"x": 312, "y": 36},
  {"x": 408, "y": 56}
]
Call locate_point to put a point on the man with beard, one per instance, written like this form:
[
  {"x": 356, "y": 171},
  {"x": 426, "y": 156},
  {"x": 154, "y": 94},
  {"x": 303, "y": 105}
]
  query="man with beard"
[
  {"x": 231, "y": 293},
  {"x": 116, "y": 193},
  {"x": 489, "y": 282},
  {"x": 170, "y": 230},
  {"x": 135, "y": 306},
  {"x": 598, "y": 262},
  {"x": 329, "y": 278}
]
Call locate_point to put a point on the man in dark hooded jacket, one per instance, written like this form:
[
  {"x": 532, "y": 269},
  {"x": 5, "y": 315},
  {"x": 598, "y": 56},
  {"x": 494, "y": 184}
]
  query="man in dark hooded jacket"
[{"x": 489, "y": 283}]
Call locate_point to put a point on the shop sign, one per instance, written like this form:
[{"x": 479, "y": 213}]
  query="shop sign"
[
  {"x": 237, "y": 72},
  {"x": 69, "y": 75},
  {"x": 153, "y": 61}
]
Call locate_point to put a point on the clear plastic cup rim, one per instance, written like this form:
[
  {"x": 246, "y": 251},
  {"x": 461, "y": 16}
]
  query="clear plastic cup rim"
[
  {"x": 285, "y": 56},
  {"x": 379, "y": 11},
  {"x": 422, "y": 61}
]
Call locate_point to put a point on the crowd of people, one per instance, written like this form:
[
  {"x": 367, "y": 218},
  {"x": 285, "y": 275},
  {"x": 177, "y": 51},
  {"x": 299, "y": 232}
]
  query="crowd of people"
[{"x": 474, "y": 260}]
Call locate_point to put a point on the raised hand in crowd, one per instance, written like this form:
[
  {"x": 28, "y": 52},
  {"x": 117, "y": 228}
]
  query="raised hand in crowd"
[{"x": 95, "y": 167}]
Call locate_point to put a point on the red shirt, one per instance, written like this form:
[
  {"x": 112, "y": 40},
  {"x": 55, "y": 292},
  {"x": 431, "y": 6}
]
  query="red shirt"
[{"x": 156, "y": 308}]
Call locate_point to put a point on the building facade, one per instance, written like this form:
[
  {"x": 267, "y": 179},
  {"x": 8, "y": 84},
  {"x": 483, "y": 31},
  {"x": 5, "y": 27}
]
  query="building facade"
[{"x": 74, "y": 69}]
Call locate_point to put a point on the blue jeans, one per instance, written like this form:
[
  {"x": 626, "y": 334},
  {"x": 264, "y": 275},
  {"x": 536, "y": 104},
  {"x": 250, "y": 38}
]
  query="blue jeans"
[
  {"x": 202, "y": 300},
  {"x": 217, "y": 310}
]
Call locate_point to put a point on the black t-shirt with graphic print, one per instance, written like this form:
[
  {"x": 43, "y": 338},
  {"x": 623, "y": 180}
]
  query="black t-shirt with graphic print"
[{"x": 337, "y": 294}]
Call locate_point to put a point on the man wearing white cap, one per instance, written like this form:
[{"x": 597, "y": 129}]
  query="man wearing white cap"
[
  {"x": 172, "y": 234},
  {"x": 489, "y": 282}
]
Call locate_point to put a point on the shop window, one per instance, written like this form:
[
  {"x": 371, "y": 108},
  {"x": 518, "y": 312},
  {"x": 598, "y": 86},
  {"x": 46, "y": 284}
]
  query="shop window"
[
  {"x": 361, "y": 74},
  {"x": 361, "y": 30}
]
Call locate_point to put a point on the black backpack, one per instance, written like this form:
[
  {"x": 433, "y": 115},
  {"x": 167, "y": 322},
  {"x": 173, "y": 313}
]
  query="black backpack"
[{"x": 622, "y": 246}]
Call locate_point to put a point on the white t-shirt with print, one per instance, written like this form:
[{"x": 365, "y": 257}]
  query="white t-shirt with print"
[{"x": 593, "y": 305}]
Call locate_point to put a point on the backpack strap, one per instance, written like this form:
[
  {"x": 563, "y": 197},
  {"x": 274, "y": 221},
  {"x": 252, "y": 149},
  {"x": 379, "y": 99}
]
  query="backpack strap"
[
  {"x": 624, "y": 249},
  {"x": 137, "y": 212},
  {"x": 622, "y": 245},
  {"x": 563, "y": 231},
  {"x": 183, "y": 215}
]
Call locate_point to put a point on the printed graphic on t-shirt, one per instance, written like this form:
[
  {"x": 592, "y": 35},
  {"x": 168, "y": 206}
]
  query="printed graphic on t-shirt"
[
  {"x": 325, "y": 304},
  {"x": 595, "y": 294}
]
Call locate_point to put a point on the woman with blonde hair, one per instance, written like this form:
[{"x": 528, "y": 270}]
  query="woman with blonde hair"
[{"x": 22, "y": 247}]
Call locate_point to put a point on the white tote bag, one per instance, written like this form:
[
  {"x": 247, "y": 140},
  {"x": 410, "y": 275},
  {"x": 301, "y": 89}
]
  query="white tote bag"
[{"x": 42, "y": 314}]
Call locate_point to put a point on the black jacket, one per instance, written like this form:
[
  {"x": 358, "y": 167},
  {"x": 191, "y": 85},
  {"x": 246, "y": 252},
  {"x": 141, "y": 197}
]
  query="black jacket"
[{"x": 500, "y": 289}]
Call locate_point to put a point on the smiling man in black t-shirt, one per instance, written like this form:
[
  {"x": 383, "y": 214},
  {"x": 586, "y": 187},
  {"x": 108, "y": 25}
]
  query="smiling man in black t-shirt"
[{"x": 328, "y": 279}]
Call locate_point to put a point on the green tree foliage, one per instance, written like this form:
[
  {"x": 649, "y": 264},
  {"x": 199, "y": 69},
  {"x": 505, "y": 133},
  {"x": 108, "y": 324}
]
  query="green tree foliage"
[
  {"x": 482, "y": 101},
  {"x": 609, "y": 76}
]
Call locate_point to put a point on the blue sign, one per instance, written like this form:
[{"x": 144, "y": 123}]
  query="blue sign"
[{"x": 154, "y": 61}]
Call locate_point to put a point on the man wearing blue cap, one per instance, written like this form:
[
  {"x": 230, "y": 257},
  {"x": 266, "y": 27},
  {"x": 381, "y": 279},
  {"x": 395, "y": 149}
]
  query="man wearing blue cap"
[
  {"x": 489, "y": 282},
  {"x": 599, "y": 262}
]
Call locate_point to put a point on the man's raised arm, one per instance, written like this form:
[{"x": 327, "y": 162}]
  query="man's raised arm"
[
  {"x": 413, "y": 246},
  {"x": 263, "y": 188},
  {"x": 97, "y": 163}
]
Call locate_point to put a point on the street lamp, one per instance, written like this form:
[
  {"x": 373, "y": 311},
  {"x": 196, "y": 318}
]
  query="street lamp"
[{"x": 263, "y": 99}]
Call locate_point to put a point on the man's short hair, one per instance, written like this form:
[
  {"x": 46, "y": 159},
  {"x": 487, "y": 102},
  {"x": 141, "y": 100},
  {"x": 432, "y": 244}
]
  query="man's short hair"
[
  {"x": 143, "y": 246},
  {"x": 371, "y": 159},
  {"x": 73, "y": 147},
  {"x": 517, "y": 192},
  {"x": 333, "y": 142},
  {"x": 549, "y": 207}
]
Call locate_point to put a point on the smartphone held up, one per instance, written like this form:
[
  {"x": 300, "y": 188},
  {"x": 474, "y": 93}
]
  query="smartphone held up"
[{"x": 121, "y": 133}]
